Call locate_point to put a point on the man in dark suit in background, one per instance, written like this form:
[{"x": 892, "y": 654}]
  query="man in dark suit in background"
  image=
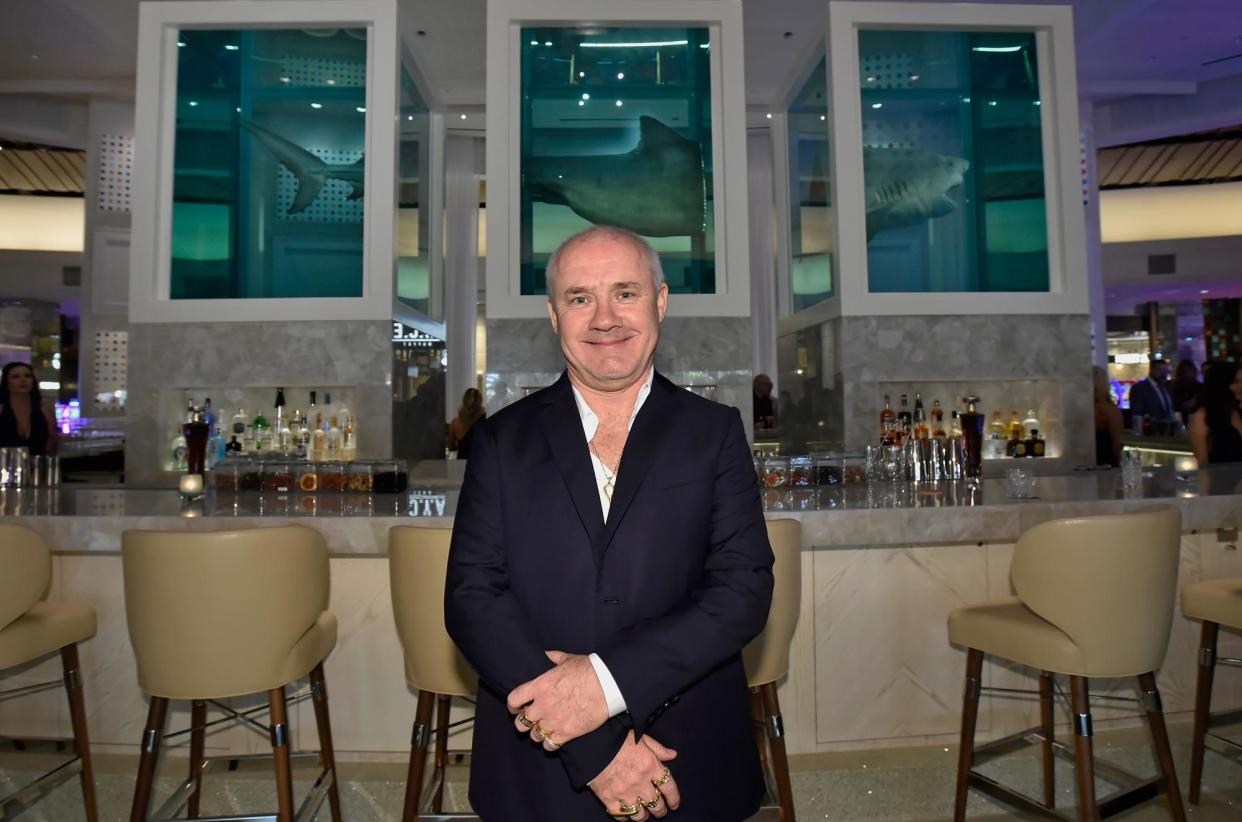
[
  {"x": 1150, "y": 399},
  {"x": 609, "y": 562}
]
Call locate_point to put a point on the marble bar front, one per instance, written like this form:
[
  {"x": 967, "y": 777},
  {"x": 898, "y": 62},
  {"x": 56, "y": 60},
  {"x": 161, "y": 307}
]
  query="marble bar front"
[{"x": 882, "y": 566}]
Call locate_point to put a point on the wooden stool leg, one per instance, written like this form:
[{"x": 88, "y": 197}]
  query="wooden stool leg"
[
  {"x": 280, "y": 754},
  {"x": 1047, "y": 730},
  {"x": 418, "y": 756},
  {"x": 966, "y": 749},
  {"x": 151, "y": 735},
  {"x": 1084, "y": 756},
  {"x": 776, "y": 740},
  {"x": 198, "y": 740},
  {"x": 1203, "y": 704},
  {"x": 327, "y": 753},
  {"x": 759, "y": 719},
  {"x": 1160, "y": 739},
  {"x": 81, "y": 739},
  {"x": 441, "y": 761}
]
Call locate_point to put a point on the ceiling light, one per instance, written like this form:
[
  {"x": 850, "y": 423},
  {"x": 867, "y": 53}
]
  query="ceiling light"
[
  {"x": 870, "y": 79},
  {"x": 463, "y": 117},
  {"x": 548, "y": 43},
  {"x": 1036, "y": 103},
  {"x": 238, "y": 109},
  {"x": 582, "y": 74},
  {"x": 284, "y": 79},
  {"x": 769, "y": 115},
  {"x": 991, "y": 102},
  {"x": 180, "y": 44},
  {"x": 231, "y": 47},
  {"x": 331, "y": 82},
  {"x": 702, "y": 45},
  {"x": 823, "y": 117},
  {"x": 877, "y": 105},
  {"x": 914, "y": 78},
  {"x": 360, "y": 109},
  {"x": 409, "y": 116},
  {"x": 997, "y": 49},
  {"x": 620, "y": 75},
  {"x": 618, "y": 104},
  {"x": 1203, "y": 291},
  {"x": 193, "y": 103},
  {"x": 582, "y": 102},
  {"x": 586, "y": 96},
  {"x": 651, "y": 44},
  {"x": 316, "y": 105},
  {"x": 534, "y": 42},
  {"x": 965, "y": 99}
]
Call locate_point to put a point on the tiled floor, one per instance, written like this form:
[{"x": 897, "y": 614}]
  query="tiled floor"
[{"x": 893, "y": 785}]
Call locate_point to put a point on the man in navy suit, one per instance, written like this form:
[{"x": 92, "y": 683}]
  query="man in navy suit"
[
  {"x": 609, "y": 562},
  {"x": 1150, "y": 399}
]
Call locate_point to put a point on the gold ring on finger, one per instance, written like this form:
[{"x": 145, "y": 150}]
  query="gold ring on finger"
[
  {"x": 525, "y": 720},
  {"x": 626, "y": 810},
  {"x": 655, "y": 803},
  {"x": 545, "y": 735},
  {"x": 664, "y": 778}
]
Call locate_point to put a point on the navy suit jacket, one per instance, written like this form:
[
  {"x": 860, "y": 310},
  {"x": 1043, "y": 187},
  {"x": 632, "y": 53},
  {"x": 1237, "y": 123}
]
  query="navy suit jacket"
[
  {"x": 1145, "y": 399},
  {"x": 667, "y": 592}
]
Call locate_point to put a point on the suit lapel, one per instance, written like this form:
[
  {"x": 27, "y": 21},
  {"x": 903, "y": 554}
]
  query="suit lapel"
[
  {"x": 642, "y": 447},
  {"x": 562, "y": 428}
]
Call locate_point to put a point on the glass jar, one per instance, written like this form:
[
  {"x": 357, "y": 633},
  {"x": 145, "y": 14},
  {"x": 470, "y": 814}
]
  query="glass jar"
[
  {"x": 827, "y": 470},
  {"x": 360, "y": 478},
  {"x": 250, "y": 475},
  {"x": 226, "y": 476},
  {"x": 776, "y": 472},
  {"x": 277, "y": 476},
  {"x": 385, "y": 477},
  {"x": 306, "y": 477},
  {"x": 331, "y": 476},
  {"x": 801, "y": 471},
  {"x": 853, "y": 470}
]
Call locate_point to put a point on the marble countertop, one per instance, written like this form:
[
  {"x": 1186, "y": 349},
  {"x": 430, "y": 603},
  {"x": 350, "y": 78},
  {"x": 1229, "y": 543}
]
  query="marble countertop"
[{"x": 92, "y": 518}]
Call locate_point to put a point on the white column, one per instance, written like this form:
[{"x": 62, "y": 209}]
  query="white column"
[
  {"x": 1091, "y": 203},
  {"x": 461, "y": 267},
  {"x": 762, "y": 254}
]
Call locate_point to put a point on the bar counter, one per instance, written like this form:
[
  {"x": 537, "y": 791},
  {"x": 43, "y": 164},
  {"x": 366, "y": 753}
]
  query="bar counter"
[{"x": 883, "y": 564}]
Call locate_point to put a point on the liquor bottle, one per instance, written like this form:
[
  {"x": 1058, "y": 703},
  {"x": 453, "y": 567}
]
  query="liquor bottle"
[
  {"x": 282, "y": 438},
  {"x": 888, "y": 419},
  {"x": 349, "y": 440},
  {"x": 178, "y": 451},
  {"x": 955, "y": 428},
  {"x": 920, "y": 418},
  {"x": 259, "y": 422},
  {"x": 209, "y": 416},
  {"x": 312, "y": 414},
  {"x": 234, "y": 446},
  {"x": 240, "y": 421},
  {"x": 215, "y": 449},
  {"x": 332, "y": 439},
  {"x": 1016, "y": 431},
  {"x": 341, "y": 413},
  {"x": 1031, "y": 422},
  {"x": 1036, "y": 446},
  {"x": 937, "y": 421},
  {"x": 317, "y": 443},
  {"x": 996, "y": 428},
  {"x": 904, "y": 419}
]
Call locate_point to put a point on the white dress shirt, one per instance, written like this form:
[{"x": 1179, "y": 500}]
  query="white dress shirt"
[{"x": 590, "y": 424}]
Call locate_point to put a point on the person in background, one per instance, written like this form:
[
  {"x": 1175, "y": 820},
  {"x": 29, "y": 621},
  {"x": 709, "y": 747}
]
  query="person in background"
[
  {"x": 1216, "y": 428},
  {"x": 1186, "y": 387},
  {"x": 470, "y": 412},
  {"x": 1150, "y": 400},
  {"x": 1107, "y": 422},
  {"x": 763, "y": 404},
  {"x": 24, "y": 422}
]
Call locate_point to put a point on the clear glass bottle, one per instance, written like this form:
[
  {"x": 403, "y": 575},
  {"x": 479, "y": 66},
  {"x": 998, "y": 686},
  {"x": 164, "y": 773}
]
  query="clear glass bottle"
[
  {"x": 920, "y": 418},
  {"x": 240, "y": 421},
  {"x": 905, "y": 419},
  {"x": 888, "y": 419},
  {"x": 937, "y": 421}
]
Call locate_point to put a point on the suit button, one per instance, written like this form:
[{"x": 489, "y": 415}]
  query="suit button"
[{"x": 611, "y": 601}]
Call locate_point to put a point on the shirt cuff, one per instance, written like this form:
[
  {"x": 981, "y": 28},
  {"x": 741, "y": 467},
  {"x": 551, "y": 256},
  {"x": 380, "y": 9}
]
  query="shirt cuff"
[{"x": 612, "y": 694}]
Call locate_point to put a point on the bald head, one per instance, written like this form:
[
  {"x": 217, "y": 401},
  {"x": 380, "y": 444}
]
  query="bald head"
[{"x": 648, "y": 255}]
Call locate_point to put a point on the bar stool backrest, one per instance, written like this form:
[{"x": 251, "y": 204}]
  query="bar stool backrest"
[
  {"x": 418, "y": 565},
  {"x": 217, "y": 613},
  {"x": 25, "y": 570},
  {"x": 1108, "y": 582},
  {"x": 767, "y": 655}
]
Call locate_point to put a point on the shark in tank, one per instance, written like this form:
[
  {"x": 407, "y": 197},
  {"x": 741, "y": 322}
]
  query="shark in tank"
[
  {"x": 906, "y": 187},
  {"x": 657, "y": 189},
  {"x": 311, "y": 172}
]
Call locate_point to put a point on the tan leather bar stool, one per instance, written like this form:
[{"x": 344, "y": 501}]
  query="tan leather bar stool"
[
  {"x": 31, "y": 628},
  {"x": 1094, "y": 599},
  {"x": 1215, "y": 602},
  {"x": 418, "y": 564},
  {"x": 767, "y": 657},
  {"x": 222, "y": 614}
]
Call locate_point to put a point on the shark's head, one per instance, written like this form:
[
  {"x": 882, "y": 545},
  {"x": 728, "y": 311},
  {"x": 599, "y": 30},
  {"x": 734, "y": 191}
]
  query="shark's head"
[
  {"x": 545, "y": 180},
  {"x": 954, "y": 170}
]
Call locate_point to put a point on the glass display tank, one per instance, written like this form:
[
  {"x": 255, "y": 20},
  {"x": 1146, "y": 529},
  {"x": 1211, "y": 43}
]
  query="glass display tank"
[
  {"x": 616, "y": 129},
  {"x": 268, "y": 169},
  {"x": 414, "y": 276},
  {"x": 810, "y": 193},
  {"x": 953, "y": 161}
]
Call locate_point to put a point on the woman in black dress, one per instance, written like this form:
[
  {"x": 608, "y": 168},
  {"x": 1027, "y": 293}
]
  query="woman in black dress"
[
  {"x": 1216, "y": 428},
  {"x": 24, "y": 422}
]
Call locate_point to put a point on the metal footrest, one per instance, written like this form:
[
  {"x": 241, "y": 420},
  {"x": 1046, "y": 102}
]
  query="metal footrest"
[
  {"x": 309, "y": 807},
  {"x": 25, "y": 796},
  {"x": 1134, "y": 790}
]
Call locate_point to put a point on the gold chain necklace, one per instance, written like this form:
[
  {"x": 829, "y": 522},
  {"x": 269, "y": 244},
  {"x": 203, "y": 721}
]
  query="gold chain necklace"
[{"x": 610, "y": 476}]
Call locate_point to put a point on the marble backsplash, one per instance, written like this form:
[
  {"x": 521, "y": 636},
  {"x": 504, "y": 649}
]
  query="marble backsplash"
[
  {"x": 835, "y": 374},
  {"x": 355, "y": 356},
  {"x": 708, "y": 355}
]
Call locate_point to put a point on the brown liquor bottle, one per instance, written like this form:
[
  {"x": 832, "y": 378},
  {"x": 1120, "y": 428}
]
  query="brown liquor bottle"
[{"x": 888, "y": 420}]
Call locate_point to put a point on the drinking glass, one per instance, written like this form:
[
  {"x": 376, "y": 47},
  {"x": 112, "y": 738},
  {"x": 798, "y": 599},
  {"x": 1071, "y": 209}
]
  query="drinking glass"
[{"x": 1131, "y": 469}]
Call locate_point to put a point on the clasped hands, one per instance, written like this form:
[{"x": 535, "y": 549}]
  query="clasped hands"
[{"x": 566, "y": 702}]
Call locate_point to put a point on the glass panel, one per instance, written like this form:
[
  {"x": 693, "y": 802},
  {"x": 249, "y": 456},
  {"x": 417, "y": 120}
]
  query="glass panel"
[
  {"x": 414, "y": 286},
  {"x": 617, "y": 130},
  {"x": 268, "y": 169},
  {"x": 953, "y": 161},
  {"x": 810, "y": 193}
]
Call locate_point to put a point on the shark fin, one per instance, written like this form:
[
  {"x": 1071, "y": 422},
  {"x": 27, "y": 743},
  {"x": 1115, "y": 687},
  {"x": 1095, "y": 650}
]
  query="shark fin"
[
  {"x": 356, "y": 192},
  {"x": 653, "y": 134},
  {"x": 308, "y": 190},
  {"x": 942, "y": 205}
]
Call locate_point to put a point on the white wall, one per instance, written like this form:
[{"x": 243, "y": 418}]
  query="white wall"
[{"x": 38, "y": 275}]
